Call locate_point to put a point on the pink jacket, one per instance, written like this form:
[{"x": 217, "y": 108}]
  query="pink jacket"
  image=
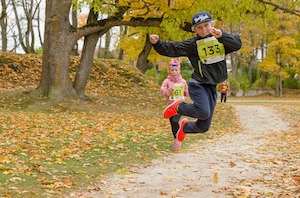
[{"x": 167, "y": 87}]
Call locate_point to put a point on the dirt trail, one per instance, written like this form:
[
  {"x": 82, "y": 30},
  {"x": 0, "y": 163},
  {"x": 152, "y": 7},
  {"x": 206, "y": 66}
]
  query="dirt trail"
[{"x": 215, "y": 169}]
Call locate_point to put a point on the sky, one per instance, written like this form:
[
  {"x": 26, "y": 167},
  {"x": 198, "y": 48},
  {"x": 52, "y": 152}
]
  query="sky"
[{"x": 12, "y": 29}]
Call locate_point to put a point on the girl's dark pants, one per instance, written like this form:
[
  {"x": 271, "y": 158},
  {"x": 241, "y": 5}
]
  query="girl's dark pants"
[
  {"x": 204, "y": 99},
  {"x": 174, "y": 121},
  {"x": 223, "y": 97}
]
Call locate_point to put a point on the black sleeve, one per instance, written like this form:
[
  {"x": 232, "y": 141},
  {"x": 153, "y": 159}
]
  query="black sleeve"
[
  {"x": 173, "y": 49},
  {"x": 231, "y": 42}
]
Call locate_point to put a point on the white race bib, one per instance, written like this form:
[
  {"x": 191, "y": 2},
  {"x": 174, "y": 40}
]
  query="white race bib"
[
  {"x": 178, "y": 92},
  {"x": 210, "y": 50}
]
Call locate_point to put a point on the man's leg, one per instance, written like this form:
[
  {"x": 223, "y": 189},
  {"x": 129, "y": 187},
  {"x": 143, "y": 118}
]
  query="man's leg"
[{"x": 204, "y": 98}]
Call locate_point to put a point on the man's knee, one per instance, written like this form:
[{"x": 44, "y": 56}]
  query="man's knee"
[{"x": 203, "y": 114}]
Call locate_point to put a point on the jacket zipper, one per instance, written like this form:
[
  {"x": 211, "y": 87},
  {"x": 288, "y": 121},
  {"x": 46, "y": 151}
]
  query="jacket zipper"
[{"x": 200, "y": 68}]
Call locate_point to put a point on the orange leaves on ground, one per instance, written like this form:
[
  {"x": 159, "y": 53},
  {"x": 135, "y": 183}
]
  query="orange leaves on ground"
[
  {"x": 43, "y": 143},
  {"x": 216, "y": 178},
  {"x": 14, "y": 70}
]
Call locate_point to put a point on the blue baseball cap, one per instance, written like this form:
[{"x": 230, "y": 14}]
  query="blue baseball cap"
[{"x": 201, "y": 17}]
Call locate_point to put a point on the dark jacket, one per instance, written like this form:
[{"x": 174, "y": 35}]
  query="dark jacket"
[{"x": 204, "y": 73}]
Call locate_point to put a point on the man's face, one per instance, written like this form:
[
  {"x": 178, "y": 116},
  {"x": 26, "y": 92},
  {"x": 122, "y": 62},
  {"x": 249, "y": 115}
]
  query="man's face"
[{"x": 202, "y": 29}]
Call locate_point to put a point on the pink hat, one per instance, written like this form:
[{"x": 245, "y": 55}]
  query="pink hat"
[{"x": 174, "y": 63}]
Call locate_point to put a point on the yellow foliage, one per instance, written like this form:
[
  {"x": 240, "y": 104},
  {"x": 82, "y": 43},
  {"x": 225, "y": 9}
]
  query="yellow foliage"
[
  {"x": 137, "y": 4},
  {"x": 269, "y": 65}
]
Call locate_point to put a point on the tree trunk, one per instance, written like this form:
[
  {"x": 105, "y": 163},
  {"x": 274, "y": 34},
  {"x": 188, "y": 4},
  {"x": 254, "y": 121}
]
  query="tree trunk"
[
  {"x": 86, "y": 62},
  {"x": 263, "y": 79},
  {"x": 252, "y": 64},
  {"x": 280, "y": 86},
  {"x": 3, "y": 25},
  {"x": 28, "y": 45},
  {"x": 233, "y": 65},
  {"x": 55, "y": 82},
  {"x": 277, "y": 86},
  {"x": 99, "y": 48},
  {"x": 85, "y": 66},
  {"x": 74, "y": 51},
  {"x": 123, "y": 32},
  {"x": 39, "y": 27},
  {"x": 107, "y": 43},
  {"x": 142, "y": 62}
]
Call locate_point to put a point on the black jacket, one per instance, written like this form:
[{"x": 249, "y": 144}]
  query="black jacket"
[{"x": 204, "y": 73}]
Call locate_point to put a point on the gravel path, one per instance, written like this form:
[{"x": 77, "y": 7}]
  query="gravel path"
[{"x": 220, "y": 168}]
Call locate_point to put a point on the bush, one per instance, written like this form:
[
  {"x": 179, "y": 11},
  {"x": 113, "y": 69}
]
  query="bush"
[
  {"x": 233, "y": 83},
  {"x": 186, "y": 66},
  {"x": 162, "y": 76},
  {"x": 186, "y": 74},
  {"x": 244, "y": 82},
  {"x": 291, "y": 83},
  {"x": 271, "y": 82},
  {"x": 258, "y": 84},
  {"x": 152, "y": 74}
]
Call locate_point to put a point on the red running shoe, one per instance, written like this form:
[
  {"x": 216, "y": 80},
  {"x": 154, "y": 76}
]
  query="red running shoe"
[
  {"x": 170, "y": 110},
  {"x": 180, "y": 134}
]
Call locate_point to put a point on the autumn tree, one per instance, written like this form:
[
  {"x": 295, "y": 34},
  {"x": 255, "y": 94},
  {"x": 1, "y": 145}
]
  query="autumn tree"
[
  {"x": 61, "y": 36},
  {"x": 282, "y": 53}
]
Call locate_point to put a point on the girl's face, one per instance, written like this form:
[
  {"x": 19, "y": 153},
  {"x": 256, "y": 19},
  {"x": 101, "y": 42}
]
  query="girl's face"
[
  {"x": 174, "y": 71},
  {"x": 202, "y": 29}
]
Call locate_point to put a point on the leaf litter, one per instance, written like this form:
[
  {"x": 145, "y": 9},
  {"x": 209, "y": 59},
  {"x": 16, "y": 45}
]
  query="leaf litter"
[
  {"x": 260, "y": 160},
  {"x": 50, "y": 149}
]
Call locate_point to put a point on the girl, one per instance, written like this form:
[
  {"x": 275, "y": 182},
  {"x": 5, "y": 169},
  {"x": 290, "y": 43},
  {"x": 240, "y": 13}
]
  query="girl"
[{"x": 174, "y": 88}]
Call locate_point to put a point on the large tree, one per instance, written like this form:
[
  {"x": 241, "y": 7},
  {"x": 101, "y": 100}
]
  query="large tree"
[{"x": 60, "y": 38}]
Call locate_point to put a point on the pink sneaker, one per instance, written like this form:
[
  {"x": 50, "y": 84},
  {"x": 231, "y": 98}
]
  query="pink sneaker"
[
  {"x": 180, "y": 134},
  {"x": 170, "y": 110},
  {"x": 176, "y": 144}
]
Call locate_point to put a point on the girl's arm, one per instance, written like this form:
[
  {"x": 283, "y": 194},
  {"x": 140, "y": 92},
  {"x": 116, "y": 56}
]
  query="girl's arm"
[{"x": 166, "y": 89}]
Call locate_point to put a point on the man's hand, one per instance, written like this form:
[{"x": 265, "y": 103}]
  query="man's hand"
[{"x": 216, "y": 32}]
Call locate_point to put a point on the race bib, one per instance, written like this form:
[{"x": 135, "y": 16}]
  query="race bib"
[
  {"x": 210, "y": 50},
  {"x": 224, "y": 88},
  {"x": 178, "y": 92}
]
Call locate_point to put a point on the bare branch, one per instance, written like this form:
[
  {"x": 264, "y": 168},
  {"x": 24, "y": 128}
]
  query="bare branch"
[{"x": 293, "y": 12}]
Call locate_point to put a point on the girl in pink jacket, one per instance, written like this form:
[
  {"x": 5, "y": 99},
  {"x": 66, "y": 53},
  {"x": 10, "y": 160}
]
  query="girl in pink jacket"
[{"x": 173, "y": 88}]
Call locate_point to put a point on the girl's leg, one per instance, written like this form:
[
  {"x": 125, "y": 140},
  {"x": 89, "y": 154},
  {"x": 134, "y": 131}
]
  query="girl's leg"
[{"x": 174, "y": 124}]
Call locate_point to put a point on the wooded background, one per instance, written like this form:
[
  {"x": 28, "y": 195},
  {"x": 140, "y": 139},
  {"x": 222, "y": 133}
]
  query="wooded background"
[{"x": 269, "y": 30}]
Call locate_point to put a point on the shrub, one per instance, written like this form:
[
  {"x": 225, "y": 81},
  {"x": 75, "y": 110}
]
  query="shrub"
[
  {"x": 186, "y": 66},
  {"x": 152, "y": 74},
  {"x": 162, "y": 76},
  {"x": 291, "y": 83},
  {"x": 244, "y": 82},
  {"x": 258, "y": 84},
  {"x": 233, "y": 83},
  {"x": 186, "y": 74},
  {"x": 271, "y": 82}
]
